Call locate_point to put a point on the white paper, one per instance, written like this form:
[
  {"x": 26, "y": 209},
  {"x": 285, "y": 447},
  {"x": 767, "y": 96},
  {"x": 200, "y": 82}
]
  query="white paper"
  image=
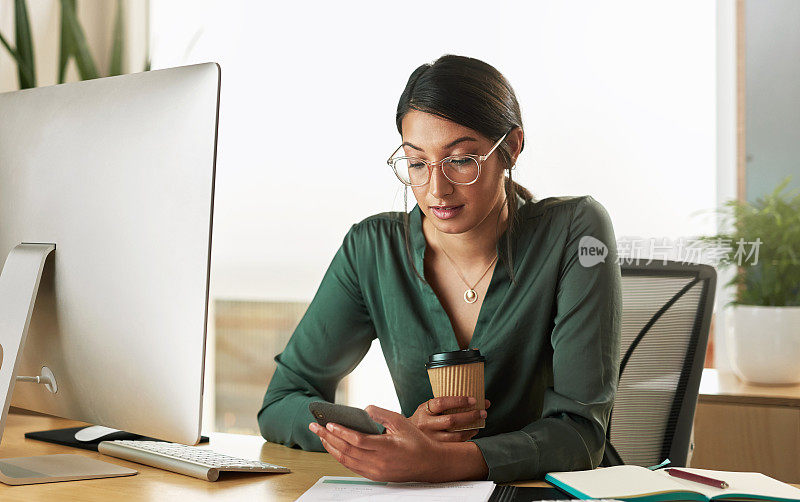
[{"x": 334, "y": 488}]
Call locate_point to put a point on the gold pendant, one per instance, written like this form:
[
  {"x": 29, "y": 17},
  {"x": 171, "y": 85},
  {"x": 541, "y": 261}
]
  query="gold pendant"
[{"x": 470, "y": 296}]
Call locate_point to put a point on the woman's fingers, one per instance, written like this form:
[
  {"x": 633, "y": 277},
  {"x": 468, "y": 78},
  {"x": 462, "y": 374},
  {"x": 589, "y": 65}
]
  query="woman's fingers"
[
  {"x": 355, "y": 438},
  {"x": 351, "y": 463},
  {"x": 344, "y": 447},
  {"x": 456, "y": 420},
  {"x": 439, "y": 405},
  {"x": 437, "y": 424}
]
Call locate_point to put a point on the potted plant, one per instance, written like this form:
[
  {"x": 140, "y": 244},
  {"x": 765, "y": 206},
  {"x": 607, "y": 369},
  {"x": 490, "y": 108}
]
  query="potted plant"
[
  {"x": 73, "y": 45},
  {"x": 763, "y": 322}
]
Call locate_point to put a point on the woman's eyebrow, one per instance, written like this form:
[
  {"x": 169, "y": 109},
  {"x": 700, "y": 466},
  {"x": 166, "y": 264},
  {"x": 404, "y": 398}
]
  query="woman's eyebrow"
[{"x": 449, "y": 145}]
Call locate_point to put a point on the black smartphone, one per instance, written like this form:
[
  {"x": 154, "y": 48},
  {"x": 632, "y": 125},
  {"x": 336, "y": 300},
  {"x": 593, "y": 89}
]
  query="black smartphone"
[{"x": 352, "y": 418}]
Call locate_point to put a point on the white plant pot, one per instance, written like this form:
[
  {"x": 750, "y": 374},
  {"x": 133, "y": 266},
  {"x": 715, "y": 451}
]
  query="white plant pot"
[{"x": 764, "y": 343}]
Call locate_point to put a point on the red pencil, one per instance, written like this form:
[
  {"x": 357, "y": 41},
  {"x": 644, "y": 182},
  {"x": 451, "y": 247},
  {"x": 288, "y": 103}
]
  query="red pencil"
[{"x": 697, "y": 478}]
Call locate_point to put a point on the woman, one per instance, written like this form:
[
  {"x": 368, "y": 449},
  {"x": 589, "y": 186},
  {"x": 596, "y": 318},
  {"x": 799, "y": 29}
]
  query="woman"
[{"x": 477, "y": 263}]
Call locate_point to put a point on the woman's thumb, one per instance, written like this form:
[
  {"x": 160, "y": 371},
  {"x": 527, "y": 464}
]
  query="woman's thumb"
[{"x": 389, "y": 419}]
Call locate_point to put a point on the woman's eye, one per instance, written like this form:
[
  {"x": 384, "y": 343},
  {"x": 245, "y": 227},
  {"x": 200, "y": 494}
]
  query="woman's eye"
[
  {"x": 416, "y": 165},
  {"x": 461, "y": 162}
]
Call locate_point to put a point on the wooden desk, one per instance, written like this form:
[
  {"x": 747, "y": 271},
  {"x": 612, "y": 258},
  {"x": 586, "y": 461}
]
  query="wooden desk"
[
  {"x": 741, "y": 427},
  {"x": 156, "y": 484}
]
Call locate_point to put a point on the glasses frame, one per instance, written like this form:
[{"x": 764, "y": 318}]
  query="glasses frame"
[{"x": 478, "y": 158}]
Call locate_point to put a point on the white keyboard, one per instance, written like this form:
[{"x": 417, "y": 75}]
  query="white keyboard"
[{"x": 188, "y": 460}]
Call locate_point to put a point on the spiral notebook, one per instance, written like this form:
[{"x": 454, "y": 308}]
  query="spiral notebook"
[
  {"x": 336, "y": 488},
  {"x": 630, "y": 482}
]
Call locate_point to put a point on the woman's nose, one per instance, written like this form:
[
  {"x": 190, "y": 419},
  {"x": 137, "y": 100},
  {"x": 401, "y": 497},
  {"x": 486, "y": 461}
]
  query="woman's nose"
[{"x": 439, "y": 184}]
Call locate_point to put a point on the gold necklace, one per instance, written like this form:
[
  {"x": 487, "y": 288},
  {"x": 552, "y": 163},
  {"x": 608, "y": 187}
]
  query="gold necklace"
[{"x": 470, "y": 295}]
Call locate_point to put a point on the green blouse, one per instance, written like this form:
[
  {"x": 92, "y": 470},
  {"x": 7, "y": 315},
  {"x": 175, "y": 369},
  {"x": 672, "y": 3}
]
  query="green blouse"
[{"x": 550, "y": 336}]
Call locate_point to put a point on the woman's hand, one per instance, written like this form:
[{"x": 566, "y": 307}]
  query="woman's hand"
[
  {"x": 429, "y": 419},
  {"x": 402, "y": 453}
]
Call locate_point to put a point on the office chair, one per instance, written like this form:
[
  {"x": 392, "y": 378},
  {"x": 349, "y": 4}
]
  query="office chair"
[{"x": 666, "y": 313}]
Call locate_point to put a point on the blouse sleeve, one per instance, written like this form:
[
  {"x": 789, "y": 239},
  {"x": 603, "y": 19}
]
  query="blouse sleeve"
[
  {"x": 333, "y": 336},
  {"x": 570, "y": 435}
]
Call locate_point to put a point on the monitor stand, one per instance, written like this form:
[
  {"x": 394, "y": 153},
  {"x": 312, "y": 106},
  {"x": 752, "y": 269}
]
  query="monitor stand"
[{"x": 19, "y": 284}]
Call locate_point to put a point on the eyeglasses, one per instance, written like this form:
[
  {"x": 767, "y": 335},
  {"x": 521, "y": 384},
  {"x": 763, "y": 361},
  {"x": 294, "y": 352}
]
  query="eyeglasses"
[{"x": 458, "y": 169}]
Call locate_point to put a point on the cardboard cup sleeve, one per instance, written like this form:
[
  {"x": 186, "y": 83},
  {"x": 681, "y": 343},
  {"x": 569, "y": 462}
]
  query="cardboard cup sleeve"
[{"x": 460, "y": 380}]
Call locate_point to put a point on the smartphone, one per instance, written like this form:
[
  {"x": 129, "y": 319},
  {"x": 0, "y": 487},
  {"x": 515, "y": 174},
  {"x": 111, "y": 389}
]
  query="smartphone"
[{"x": 352, "y": 418}]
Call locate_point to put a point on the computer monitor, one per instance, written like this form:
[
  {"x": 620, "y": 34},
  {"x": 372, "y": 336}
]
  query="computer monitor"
[{"x": 118, "y": 174}]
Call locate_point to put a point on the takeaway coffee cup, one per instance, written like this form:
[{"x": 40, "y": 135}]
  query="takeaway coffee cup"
[{"x": 459, "y": 373}]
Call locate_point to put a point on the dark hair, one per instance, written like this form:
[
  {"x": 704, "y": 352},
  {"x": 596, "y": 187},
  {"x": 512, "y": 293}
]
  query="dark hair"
[{"x": 474, "y": 94}]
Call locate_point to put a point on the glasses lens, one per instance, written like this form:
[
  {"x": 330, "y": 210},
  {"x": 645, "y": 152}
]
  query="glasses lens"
[
  {"x": 411, "y": 171},
  {"x": 461, "y": 169}
]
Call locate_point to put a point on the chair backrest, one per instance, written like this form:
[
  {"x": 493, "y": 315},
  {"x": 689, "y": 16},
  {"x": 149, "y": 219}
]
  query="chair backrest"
[{"x": 666, "y": 313}]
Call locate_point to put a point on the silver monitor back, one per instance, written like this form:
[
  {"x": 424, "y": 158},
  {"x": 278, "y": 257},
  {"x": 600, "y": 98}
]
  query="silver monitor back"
[{"x": 118, "y": 173}]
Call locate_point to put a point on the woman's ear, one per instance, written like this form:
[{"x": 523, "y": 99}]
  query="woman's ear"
[{"x": 515, "y": 141}]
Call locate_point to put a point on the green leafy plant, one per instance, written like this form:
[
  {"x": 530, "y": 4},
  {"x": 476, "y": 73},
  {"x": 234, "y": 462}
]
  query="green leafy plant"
[
  {"x": 772, "y": 224},
  {"x": 73, "y": 45},
  {"x": 23, "y": 53}
]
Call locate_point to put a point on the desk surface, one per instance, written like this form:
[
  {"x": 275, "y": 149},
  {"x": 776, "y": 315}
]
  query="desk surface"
[
  {"x": 725, "y": 387},
  {"x": 156, "y": 484}
]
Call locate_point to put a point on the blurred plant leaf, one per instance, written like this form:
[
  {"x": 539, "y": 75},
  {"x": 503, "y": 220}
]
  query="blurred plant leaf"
[
  {"x": 8, "y": 47},
  {"x": 22, "y": 36},
  {"x": 65, "y": 50},
  {"x": 115, "y": 67},
  {"x": 20, "y": 64},
  {"x": 80, "y": 49}
]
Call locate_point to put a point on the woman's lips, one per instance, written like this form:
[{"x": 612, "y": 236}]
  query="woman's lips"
[{"x": 446, "y": 212}]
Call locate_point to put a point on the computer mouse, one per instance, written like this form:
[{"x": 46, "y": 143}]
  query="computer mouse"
[{"x": 94, "y": 433}]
